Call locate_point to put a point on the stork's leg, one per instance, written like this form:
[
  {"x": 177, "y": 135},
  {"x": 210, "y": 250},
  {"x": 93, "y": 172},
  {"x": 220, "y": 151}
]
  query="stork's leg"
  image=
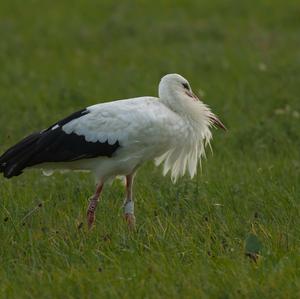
[
  {"x": 128, "y": 203},
  {"x": 93, "y": 205}
]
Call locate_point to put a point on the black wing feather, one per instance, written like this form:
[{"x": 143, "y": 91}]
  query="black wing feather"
[{"x": 53, "y": 145}]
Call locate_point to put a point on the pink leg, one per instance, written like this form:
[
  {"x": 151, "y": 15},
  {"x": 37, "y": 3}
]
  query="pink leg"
[
  {"x": 128, "y": 203},
  {"x": 93, "y": 205}
]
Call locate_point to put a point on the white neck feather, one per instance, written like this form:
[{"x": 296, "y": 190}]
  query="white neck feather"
[{"x": 188, "y": 151}]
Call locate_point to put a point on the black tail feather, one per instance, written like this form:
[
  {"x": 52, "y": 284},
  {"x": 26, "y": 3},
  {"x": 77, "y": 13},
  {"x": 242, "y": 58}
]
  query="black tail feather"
[{"x": 14, "y": 159}]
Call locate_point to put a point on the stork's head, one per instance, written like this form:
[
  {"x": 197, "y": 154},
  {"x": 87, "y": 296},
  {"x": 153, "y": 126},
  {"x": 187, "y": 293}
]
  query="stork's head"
[{"x": 175, "y": 91}]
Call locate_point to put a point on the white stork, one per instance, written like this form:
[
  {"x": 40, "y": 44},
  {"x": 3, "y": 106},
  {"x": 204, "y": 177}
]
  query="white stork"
[{"x": 115, "y": 138}]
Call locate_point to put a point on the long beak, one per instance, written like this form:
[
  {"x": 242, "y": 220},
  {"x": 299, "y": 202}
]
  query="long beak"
[
  {"x": 217, "y": 122},
  {"x": 214, "y": 119},
  {"x": 192, "y": 95}
]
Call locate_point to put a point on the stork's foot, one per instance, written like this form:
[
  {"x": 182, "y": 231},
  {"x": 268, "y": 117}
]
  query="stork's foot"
[
  {"x": 130, "y": 220},
  {"x": 91, "y": 212}
]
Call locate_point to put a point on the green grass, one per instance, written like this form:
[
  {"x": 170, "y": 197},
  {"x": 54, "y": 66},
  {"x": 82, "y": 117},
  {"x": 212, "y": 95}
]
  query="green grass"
[{"x": 192, "y": 237}]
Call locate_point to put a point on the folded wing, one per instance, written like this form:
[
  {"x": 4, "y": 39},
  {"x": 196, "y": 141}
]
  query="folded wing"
[{"x": 54, "y": 145}]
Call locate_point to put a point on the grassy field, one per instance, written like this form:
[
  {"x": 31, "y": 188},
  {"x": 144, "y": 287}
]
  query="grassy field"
[{"x": 231, "y": 232}]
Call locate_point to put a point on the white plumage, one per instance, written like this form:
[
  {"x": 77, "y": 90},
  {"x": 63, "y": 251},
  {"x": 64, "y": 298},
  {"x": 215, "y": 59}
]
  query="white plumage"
[
  {"x": 147, "y": 128},
  {"x": 173, "y": 129}
]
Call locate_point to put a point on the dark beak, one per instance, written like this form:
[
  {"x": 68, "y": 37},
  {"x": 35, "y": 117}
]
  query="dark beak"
[{"x": 217, "y": 122}]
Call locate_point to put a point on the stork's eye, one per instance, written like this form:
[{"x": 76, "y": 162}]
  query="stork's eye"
[{"x": 186, "y": 86}]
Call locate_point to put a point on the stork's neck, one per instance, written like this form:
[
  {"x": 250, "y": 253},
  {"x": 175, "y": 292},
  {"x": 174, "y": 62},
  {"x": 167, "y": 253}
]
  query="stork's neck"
[
  {"x": 195, "y": 114},
  {"x": 172, "y": 100}
]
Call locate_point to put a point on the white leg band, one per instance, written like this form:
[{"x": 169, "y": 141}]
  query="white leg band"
[{"x": 129, "y": 207}]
